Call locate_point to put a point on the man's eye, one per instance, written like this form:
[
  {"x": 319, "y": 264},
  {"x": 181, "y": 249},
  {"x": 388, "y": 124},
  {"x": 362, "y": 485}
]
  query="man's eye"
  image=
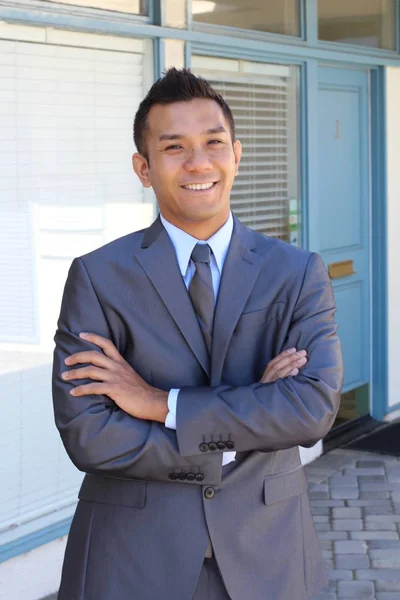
[
  {"x": 215, "y": 142},
  {"x": 173, "y": 147}
]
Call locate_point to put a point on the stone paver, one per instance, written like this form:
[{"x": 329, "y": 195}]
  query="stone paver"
[
  {"x": 355, "y": 500},
  {"x": 356, "y": 589},
  {"x": 352, "y": 561},
  {"x": 348, "y": 524}
]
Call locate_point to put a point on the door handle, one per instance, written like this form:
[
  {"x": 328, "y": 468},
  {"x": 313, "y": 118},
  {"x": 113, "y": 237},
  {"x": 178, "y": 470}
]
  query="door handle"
[{"x": 341, "y": 269}]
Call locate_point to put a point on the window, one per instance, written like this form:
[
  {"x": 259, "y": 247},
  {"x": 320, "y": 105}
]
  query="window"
[
  {"x": 134, "y": 7},
  {"x": 275, "y": 17},
  {"x": 363, "y": 22},
  {"x": 66, "y": 187},
  {"x": 264, "y": 102}
]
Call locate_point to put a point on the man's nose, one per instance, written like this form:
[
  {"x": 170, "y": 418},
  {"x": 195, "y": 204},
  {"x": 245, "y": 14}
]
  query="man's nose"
[{"x": 198, "y": 160}]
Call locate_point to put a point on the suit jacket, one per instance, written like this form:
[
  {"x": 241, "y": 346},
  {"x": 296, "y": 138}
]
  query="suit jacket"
[{"x": 151, "y": 495}]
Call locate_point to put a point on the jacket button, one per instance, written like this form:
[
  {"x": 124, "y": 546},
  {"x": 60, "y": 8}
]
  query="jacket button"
[
  {"x": 173, "y": 476},
  {"x": 199, "y": 477},
  {"x": 204, "y": 447},
  {"x": 182, "y": 476},
  {"x": 209, "y": 493},
  {"x": 212, "y": 446},
  {"x": 220, "y": 445},
  {"x": 230, "y": 445},
  {"x": 190, "y": 476}
]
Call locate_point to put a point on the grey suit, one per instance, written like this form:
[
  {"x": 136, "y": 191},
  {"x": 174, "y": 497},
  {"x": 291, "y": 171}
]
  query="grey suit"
[{"x": 141, "y": 527}]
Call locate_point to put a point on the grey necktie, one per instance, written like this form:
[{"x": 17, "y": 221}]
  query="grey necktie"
[{"x": 201, "y": 291}]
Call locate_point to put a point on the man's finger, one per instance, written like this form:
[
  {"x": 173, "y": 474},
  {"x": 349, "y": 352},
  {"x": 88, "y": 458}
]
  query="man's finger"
[
  {"x": 289, "y": 362},
  {"x": 287, "y": 372},
  {"x": 89, "y": 356},
  {"x": 105, "y": 344},
  {"x": 284, "y": 371},
  {"x": 284, "y": 374},
  {"x": 287, "y": 355},
  {"x": 279, "y": 371},
  {"x": 89, "y": 388},
  {"x": 271, "y": 377},
  {"x": 87, "y": 373}
]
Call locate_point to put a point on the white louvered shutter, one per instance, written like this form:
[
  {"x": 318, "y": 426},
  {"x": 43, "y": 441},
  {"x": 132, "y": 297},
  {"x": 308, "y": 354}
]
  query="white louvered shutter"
[
  {"x": 264, "y": 105},
  {"x": 17, "y": 267}
]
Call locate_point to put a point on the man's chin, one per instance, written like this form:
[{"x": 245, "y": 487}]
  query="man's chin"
[
  {"x": 202, "y": 216},
  {"x": 205, "y": 211}
]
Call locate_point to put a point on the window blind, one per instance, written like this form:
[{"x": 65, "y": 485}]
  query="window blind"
[
  {"x": 17, "y": 268},
  {"x": 265, "y": 193}
]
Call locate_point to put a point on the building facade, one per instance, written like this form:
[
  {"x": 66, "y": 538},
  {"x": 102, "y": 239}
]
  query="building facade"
[{"x": 314, "y": 86}]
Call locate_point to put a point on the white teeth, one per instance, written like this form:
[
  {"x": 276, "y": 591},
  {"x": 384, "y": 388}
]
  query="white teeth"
[{"x": 199, "y": 186}]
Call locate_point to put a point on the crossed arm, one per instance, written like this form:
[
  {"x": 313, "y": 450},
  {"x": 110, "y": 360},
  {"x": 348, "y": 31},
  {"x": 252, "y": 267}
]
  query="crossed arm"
[
  {"x": 112, "y": 422},
  {"x": 120, "y": 382}
]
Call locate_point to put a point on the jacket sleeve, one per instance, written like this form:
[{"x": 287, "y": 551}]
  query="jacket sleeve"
[
  {"x": 98, "y": 436},
  {"x": 289, "y": 412}
]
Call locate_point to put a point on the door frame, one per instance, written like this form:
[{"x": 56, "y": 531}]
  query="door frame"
[{"x": 379, "y": 254}]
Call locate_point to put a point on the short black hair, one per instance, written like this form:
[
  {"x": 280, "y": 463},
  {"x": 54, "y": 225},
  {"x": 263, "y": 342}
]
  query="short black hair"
[{"x": 176, "y": 85}]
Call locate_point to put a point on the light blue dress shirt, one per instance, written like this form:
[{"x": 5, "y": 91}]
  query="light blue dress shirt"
[{"x": 184, "y": 244}]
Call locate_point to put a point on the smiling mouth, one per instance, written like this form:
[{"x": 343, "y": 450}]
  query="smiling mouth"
[{"x": 200, "y": 187}]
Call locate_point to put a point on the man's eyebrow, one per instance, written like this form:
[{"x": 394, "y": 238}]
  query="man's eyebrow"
[
  {"x": 170, "y": 136},
  {"x": 178, "y": 136},
  {"x": 217, "y": 129}
]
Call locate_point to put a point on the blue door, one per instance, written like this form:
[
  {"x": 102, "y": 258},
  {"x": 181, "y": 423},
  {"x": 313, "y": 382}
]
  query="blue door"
[{"x": 342, "y": 217}]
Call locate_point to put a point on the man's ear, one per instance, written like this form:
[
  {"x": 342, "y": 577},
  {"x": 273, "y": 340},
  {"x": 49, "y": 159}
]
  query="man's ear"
[
  {"x": 237, "y": 150},
  {"x": 141, "y": 167}
]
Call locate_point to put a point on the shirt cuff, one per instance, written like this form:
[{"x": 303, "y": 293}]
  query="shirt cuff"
[{"x": 170, "y": 420}]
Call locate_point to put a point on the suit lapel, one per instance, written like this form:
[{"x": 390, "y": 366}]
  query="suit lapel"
[
  {"x": 158, "y": 259},
  {"x": 239, "y": 275}
]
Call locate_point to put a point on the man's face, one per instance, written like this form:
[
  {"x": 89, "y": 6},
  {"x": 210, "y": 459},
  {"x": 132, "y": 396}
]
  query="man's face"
[{"x": 192, "y": 161}]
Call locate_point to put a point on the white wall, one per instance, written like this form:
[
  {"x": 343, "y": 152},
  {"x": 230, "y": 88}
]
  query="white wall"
[
  {"x": 33, "y": 575},
  {"x": 393, "y": 225}
]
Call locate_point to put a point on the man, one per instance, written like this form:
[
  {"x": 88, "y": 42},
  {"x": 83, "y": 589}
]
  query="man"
[{"x": 210, "y": 355}]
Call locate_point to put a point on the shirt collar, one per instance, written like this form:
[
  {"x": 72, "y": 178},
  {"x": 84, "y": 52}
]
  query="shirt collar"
[{"x": 184, "y": 243}]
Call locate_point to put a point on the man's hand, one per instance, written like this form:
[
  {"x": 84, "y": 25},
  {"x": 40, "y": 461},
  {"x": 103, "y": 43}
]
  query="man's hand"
[
  {"x": 286, "y": 364},
  {"x": 116, "y": 379}
]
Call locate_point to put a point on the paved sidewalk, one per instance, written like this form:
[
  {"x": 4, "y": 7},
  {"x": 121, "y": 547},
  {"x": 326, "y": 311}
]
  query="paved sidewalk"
[{"x": 355, "y": 498}]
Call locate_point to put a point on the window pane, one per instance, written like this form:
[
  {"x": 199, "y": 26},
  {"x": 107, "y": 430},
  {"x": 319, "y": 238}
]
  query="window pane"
[
  {"x": 362, "y": 22},
  {"x": 274, "y": 17},
  {"x": 134, "y": 7},
  {"x": 264, "y": 102},
  {"x": 176, "y": 13},
  {"x": 174, "y": 53}
]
